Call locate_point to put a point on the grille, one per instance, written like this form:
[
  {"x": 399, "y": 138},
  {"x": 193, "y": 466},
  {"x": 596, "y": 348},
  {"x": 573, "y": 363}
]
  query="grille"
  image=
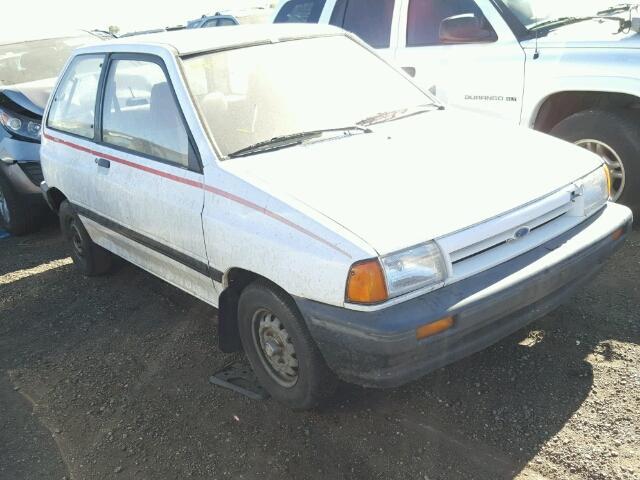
[
  {"x": 480, "y": 247},
  {"x": 33, "y": 170}
]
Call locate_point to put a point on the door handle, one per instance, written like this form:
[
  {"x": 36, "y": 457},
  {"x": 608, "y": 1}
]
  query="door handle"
[
  {"x": 411, "y": 71},
  {"x": 103, "y": 162}
]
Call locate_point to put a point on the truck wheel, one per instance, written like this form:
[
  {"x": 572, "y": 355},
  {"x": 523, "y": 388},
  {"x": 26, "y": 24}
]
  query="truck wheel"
[
  {"x": 89, "y": 258},
  {"x": 283, "y": 355},
  {"x": 17, "y": 215},
  {"x": 615, "y": 136}
]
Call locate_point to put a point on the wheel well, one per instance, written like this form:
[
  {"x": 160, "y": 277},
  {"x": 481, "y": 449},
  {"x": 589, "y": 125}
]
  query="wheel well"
[
  {"x": 228, "y": 335},
  {"x": 564, "y": 104},
  {"x": 56, "y": 197}
]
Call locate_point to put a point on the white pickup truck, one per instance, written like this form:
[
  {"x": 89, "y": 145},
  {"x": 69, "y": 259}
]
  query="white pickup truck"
[{"x": 568, "y": 68}]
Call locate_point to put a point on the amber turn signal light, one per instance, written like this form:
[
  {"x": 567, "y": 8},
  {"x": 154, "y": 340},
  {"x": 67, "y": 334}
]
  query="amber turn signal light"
[
  {"x": 366, "y": 283},
  {"x": 617, "y": 234},
  {"x": 433, "y": 328}
]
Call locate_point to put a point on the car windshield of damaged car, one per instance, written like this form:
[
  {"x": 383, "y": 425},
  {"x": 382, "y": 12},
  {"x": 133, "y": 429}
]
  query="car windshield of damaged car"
[{"x": 35, "y": 60}]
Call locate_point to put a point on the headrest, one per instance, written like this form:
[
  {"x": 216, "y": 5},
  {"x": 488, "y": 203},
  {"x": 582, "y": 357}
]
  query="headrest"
[{"x": 161, "y": 99}]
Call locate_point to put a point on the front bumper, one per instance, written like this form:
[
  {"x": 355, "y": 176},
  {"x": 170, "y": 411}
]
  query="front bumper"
[
  {"x": 379, "y": 348},
  {"x": 20, "y": 164}
]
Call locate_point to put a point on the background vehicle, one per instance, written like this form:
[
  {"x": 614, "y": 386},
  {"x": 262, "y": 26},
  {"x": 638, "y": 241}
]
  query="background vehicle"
[
  {"x": 28, "y": 71},
  {"x": 564, "y": 68},
  {"x": 232, "y": 17},
  {"x": 215, "y": 20},
  {"x": 155, "y": 30},
  {"x": 205, "y": 157}
]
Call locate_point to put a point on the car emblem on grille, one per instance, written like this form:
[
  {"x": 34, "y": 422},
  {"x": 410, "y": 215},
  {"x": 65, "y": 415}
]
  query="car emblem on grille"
[{"x": 521, "y": 233}]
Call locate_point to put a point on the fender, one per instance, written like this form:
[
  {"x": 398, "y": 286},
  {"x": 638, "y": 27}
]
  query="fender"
[{"x": 535, "y": 97}]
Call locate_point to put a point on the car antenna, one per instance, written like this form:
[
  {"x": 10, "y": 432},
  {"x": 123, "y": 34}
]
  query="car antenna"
[{"x": 536, "y": 53}]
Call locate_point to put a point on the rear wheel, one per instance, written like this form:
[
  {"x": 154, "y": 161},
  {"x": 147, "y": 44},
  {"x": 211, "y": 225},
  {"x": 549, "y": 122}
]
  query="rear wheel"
[
  {"x": 279, "y": 347},
  {"x": 18, "y": 215},
  {"x": 89, "y": 258},
  {"x": 614, "y": 135}
]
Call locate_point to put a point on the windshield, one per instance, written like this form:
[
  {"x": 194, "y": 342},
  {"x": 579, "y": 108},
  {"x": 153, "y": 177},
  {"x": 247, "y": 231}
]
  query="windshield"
[
  {"x": 533, "y": 12},
  {"x": 36, "y": 60},
  {"x": 253, "y": 94}
]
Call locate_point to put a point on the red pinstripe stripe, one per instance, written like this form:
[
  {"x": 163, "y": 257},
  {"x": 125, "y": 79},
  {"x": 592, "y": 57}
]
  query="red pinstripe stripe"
[{"x": 208, "y": 188}]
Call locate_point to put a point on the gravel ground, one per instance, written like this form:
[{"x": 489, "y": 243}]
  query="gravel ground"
[{"x": 107, "y": 378}]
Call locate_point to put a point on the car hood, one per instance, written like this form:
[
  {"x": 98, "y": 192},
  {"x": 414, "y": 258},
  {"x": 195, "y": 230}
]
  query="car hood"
[
  {"x": 587, "y": 34},
  {"x": 31, "y": 96},
  {"x": 420, "y": 178}
]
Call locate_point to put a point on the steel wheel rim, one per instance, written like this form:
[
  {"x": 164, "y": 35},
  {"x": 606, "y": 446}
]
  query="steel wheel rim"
[
  {"x": 4, "y": 208},
  {"x": 613, "y": 162},
  {"x": 275, "y": 348},
  {"x": 76, "y": 239}
]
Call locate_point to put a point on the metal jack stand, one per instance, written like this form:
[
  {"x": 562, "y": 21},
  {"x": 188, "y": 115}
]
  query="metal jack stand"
[{"x": 239, "y": 377}]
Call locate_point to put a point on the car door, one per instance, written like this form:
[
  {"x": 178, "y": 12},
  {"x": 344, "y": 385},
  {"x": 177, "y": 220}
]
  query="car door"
[
  {"x": 480, "y": 70},
  {"x": 148, "y": 179}
]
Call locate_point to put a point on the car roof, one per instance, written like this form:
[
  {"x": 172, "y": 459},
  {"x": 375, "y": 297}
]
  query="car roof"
[{"x": 190, "y": 41}]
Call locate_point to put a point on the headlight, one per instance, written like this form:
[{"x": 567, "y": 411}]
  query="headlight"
[
  {"x": 20, "y": 126},
  {"x": 595, "y": 189},
  {"x": 413, "y": 269},
  {"x": 374, "y": 281}
]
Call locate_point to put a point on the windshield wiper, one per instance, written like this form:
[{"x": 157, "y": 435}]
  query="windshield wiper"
[
  {"x": 392, "y": 115},
  {"x": 564, "y": 21},
  {"x": 621, "y": 8},
  {"x": 284, "y": 141}
]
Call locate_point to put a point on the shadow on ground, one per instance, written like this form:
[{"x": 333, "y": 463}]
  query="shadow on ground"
[{"x": 118, "y": 366}]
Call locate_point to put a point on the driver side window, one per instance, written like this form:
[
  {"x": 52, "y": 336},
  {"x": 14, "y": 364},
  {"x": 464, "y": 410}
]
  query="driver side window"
[
  {"x": 140, "y": 113},
  {"x": 425, "y": 17}
]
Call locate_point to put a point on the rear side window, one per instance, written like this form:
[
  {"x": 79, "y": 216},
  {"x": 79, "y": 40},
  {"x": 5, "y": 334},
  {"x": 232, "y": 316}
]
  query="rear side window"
[
  {"x": 218, "y": 22},
  {"x": 424, "y": 18},
  {"x": 369, "y": 19},
  {"x": 73, "y": 106},
  {"x": 140, "y": 112},
  {"x": 210, "y": 23},
  {"x": 225, "y": 22},
  {"x": 300, "y": 11}
]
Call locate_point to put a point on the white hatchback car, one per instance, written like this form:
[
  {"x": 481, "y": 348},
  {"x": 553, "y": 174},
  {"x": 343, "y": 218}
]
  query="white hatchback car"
[{"x": 340, "y": 219}]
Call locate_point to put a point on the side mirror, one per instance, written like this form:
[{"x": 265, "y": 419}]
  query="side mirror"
[{"x": 465, "y": 28}]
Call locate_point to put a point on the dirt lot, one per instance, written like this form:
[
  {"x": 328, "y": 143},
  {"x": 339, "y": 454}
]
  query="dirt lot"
[{"x": 107, "y": 378}]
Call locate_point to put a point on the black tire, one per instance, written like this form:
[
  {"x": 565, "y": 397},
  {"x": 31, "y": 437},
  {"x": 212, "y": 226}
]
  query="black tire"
[
  {"x": 89, "y": 258},
  {"x": 315, "y": 382},
  {"x": 618, "y": 129},
  {"x": 23, "y": 215}
]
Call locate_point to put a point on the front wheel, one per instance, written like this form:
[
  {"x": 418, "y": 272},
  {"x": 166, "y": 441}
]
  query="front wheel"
[
  {"x": 283, "y": 355},
  {"x": 614, "y": 135}
]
